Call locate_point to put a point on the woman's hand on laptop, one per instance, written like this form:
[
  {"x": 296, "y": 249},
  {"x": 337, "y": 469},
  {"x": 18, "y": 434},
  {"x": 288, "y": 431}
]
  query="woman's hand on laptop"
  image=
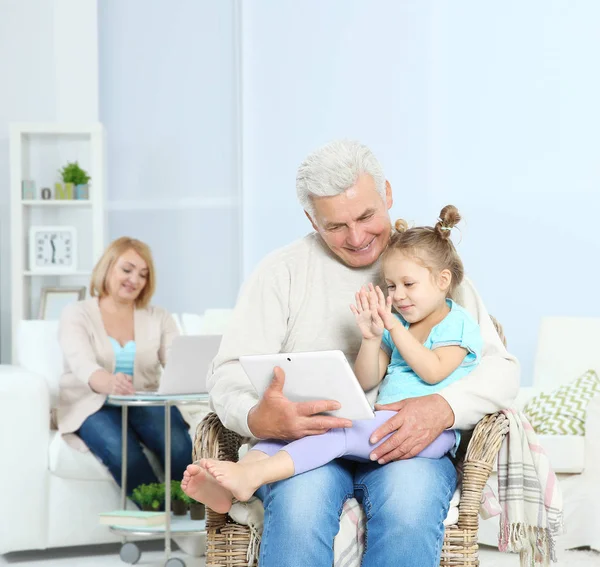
[
  {"x": 276, "y": 417},
  {"x": 118, "y": 384},
  {"x": 123, "y": 385}
]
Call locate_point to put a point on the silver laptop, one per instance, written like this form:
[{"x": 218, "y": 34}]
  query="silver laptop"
[{"x": 188, "y": 364}]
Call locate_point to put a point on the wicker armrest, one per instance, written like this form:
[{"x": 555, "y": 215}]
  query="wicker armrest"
[
  {"x": 479, "y": 461},
  {"x": 228, "y": 544},
  {"x": 214, "y": 441}
]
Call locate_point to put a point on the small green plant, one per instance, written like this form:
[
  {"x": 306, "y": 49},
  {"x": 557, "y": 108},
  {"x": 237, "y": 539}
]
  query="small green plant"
[
  {"x": 149, "y": 496},
  {"x": 72, "y": 173},
  {"x": 176, "y": 492},
  {"x": 159, "y": 496},
  {"x": 143, "y": 495}
]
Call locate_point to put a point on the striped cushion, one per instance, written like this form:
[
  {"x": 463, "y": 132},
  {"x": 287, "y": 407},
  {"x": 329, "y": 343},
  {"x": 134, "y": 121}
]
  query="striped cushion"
[{"x": 563, "y": 411}]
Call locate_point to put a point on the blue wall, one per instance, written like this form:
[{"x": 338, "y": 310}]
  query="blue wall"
[{"x": 492, "y": 107}]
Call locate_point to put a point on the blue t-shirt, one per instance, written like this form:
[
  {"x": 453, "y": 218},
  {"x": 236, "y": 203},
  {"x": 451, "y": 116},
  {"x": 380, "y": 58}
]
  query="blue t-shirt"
[
  {"x": 457, "y": 328},
  {"x": 124, "y": 356}
]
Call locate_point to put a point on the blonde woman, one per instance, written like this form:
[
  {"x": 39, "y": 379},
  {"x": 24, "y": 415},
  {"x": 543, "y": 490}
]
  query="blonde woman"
[{"x": 116, "y": 343}]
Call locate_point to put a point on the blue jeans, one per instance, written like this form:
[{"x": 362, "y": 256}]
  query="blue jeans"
[
  {"x": 406, "y": 503},
  {"x": 101, "y": 432}
]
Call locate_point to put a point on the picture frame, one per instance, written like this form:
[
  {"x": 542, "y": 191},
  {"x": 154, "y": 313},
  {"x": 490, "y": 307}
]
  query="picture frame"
[{"x": 54, "y": 299}]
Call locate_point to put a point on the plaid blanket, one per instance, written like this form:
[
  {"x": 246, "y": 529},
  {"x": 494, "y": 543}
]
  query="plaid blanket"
[{"x": 529, "y": 495}]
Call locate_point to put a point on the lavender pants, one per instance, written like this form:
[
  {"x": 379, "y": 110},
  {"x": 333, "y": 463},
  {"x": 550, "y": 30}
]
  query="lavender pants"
[{"x": 352, "y": 443}]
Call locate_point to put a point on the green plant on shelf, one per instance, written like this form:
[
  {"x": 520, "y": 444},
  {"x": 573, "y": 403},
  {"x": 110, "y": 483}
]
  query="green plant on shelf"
[
  {"x": 177, "y": 493},
  {"x": 159, "y": 496},
  {"x": 72, "y": 173},
  {"x": 149, "y": 496},
  {"x": 143, "y": 495}
]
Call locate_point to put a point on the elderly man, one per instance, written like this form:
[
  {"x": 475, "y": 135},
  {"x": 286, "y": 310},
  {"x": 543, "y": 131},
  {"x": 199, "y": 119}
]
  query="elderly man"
[{"x": 298, "y": 300}]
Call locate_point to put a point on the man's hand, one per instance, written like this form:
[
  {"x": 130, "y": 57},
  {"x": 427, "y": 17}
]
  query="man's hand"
[
  {"x": 275, "y": 417},
  {"x": 418, "y": 422}
]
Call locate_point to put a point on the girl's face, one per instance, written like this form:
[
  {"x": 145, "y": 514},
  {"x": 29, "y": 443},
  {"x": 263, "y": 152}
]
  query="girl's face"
[
  {"x": 128, "y": 277},
  {"x": 416, "y": 293}
]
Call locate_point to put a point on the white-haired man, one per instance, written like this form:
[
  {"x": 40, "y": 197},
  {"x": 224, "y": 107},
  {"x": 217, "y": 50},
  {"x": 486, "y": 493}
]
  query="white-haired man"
[{"x": 298, "y": 300}]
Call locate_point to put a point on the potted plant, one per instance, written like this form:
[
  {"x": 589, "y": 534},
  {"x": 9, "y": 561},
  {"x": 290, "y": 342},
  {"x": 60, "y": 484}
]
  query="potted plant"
[
  {"x": 159, "y": 496},
  {"x": 197, "y": 510},
  {"x": 150, "y": 497},
  {"x": 143, "y": 495},
  {"x": 179, "y": 503},
  {"x": 75, "y": 179}
]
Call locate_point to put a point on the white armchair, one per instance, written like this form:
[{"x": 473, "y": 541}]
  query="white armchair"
[{"x": 568, "y": 347}]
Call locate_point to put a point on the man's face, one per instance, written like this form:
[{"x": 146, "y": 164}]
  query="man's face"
[{"x": 355, "y": 224}]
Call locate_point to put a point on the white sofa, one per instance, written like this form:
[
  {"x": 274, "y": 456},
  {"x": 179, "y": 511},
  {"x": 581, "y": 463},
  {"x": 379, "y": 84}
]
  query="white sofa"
[
  {"x": 568, "y": 347},
  {"x": 52, "y": 493}
]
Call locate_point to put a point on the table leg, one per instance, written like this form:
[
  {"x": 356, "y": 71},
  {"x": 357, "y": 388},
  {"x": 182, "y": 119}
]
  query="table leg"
[
  {"x": 168, "y": 479},
  {"x": 124, "y": 423}
]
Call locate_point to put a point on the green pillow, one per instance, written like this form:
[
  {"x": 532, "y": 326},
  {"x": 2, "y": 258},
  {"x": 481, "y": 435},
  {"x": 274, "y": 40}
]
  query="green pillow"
[{"x": 562, "y": 412}]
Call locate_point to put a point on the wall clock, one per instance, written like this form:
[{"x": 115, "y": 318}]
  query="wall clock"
[{"x": 52, "y": 249}]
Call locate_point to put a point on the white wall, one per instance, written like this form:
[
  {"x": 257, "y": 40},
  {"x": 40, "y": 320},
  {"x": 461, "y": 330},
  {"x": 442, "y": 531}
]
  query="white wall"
[
  {"x": 49, "y": 72},
  {"x": 492, "y": 109},
  {"x": 168, "y": 100}
]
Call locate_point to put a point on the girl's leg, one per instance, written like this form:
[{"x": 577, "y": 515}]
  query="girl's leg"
[
  {"x": 359, "y": 446},
  {"x": 202, "y": 486},
  {"x": 268, "y": 448},
  {"x": 244, "y": 478},
  {"x": 440, "y": 446}
]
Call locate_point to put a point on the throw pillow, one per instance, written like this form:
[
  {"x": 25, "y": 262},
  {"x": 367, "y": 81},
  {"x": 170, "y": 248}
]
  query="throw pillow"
[{"x": 563, "y": 411}]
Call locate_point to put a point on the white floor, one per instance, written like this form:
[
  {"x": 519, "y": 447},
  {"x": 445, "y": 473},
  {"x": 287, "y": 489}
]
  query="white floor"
[{"x": 152, "y": 555}]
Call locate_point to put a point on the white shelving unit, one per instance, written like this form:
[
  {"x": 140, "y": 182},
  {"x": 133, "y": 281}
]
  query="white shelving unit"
[{"x": 37, "y": 152}]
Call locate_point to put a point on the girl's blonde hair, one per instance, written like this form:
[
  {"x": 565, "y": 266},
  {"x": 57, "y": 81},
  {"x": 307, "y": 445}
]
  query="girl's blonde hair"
[
  {"x": 115, "y": 250},
  {"x": 431, "y": 245}
]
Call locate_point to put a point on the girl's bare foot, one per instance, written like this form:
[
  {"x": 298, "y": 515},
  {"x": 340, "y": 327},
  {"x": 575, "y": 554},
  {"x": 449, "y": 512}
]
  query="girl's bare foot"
[
  {"x": 236, "y": 478},
  {"x": 198, "y": 484}
]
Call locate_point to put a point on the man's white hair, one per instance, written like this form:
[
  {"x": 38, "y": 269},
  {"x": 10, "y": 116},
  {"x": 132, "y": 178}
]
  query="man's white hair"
[{"x": 335, "y": 168}]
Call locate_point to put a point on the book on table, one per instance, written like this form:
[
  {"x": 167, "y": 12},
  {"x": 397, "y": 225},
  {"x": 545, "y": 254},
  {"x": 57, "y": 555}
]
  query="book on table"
[{"x": 132, "y": 518}]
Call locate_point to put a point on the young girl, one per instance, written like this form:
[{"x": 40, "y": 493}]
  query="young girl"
[{"x": 430, "y": 344}]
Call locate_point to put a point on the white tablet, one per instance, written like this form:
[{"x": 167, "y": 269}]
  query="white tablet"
[{"x": 309, "y": 376}]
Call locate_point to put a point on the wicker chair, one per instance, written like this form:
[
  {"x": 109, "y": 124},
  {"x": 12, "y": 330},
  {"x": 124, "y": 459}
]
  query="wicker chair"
[{"x": 228, "y": 541}]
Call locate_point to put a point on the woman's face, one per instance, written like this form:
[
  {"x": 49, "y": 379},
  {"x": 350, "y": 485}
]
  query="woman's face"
[{"x": 128, "y": 277}]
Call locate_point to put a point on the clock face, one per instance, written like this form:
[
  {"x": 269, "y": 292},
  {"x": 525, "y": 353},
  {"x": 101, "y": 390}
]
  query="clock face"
[{"x": 54, "y": 248}]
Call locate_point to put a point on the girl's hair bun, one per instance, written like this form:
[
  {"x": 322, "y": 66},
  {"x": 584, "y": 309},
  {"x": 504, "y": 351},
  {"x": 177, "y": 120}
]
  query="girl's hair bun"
[
  {"x": 449, "y": 218},
  {"x": 401, "y": 225}
]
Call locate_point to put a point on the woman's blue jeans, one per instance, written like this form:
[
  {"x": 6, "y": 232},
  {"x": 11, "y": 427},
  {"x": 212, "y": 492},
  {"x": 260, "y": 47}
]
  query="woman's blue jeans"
[
  {"x": 406, "y": 503},
  {"x": 101, "y": 432}
]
